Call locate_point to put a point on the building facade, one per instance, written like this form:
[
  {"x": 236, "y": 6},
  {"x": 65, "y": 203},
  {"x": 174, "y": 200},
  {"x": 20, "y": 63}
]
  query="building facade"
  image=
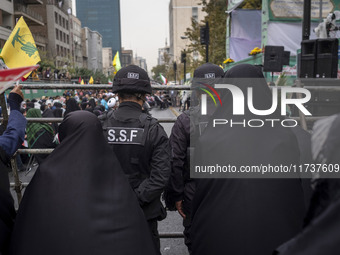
[
  {"x": 104, "y": 17},
  {"x": 141, "y": 62},
  {"x": 55, "y": 31},
  {"x": 127, "y": 57},
  {"x": 76, "y": 43},
  {"x": 11, "y": 11},
  {"x": 180, "y": 14},
  {"x": 93, "y": 46},
  {"x": 107, "y": 61},
  {"x": 162, "y": 53},
  {"x": 6, "y": 20}
]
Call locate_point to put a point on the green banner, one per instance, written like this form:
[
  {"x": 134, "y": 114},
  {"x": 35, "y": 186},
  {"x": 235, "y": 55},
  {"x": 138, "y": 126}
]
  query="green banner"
[{"x": 292, "y": 10}]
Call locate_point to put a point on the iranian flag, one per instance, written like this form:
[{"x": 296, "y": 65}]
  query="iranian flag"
[{"x": 164, "y": 80}]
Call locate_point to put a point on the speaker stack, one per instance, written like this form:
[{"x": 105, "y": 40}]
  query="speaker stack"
[{"x": 319, "y": 58}]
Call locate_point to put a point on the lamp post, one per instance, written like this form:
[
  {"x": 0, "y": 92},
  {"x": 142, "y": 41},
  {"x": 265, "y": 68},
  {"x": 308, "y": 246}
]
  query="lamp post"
[{"x": 175, "y": 70}]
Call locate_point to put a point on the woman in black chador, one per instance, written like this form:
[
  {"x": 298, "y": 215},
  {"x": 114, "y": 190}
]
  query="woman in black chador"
[
  {"x": 79, "y": 201},
  {"x": 321, "y": 233},
  {"x": 246, "y": 216}
]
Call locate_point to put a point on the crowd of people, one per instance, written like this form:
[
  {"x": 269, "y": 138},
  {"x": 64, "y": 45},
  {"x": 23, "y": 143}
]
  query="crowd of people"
[{"x": 99, "y": 191}]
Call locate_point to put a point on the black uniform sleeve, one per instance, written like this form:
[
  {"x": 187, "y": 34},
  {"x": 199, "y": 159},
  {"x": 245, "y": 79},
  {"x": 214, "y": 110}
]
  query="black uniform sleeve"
[
  {"x": 179, "y": 141},
  {"x": 152, "y": 187}
]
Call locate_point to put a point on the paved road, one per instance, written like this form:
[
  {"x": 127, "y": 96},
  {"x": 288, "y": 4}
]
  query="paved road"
[{"x": 173, "y": 222}]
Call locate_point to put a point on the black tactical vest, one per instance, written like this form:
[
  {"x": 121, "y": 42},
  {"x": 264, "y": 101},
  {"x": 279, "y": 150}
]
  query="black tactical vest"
[{"x": 130, "y": 144}]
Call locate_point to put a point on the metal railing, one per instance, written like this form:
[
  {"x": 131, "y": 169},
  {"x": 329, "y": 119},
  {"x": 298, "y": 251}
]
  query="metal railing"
[{"x": 18, "y": 186}]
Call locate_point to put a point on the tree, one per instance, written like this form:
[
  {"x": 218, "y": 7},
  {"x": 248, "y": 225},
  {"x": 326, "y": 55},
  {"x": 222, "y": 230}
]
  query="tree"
[
  {"x": 45, "y": 60},
  {"x": 216, "y": 18},
  {"x": 157, "y": 70},
  {"x": 166, "y": 69},
  {"x": 252, "y": 4}
]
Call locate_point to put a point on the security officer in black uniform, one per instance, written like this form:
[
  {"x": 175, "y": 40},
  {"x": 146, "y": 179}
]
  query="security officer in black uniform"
[
  {"x": 140, "y": 143},
  {"x": 189, "y": 125}
]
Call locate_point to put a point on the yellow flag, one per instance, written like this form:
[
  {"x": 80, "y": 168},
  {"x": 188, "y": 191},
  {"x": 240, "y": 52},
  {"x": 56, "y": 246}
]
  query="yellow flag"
[
  {"x": 20, "y": 49},
  {"x": 91, "y": 80},
  {"x": 116, "y": 63},
  {"x": 82, "y": 82}
]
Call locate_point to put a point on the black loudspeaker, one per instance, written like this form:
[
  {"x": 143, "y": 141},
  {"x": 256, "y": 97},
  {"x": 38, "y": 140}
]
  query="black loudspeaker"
[
  {"x": 285, "y": 58},
  {"x": 308, "y": 59},
  {"x": 327, "y": 58},
  {"x": 273, "y": 56}
]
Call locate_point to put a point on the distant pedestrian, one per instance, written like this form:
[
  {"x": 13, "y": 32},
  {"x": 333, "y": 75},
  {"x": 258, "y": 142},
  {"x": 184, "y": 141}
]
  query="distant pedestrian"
[
  {"x": 71, "y": 106},
  {"x": 39, "y": 135}
]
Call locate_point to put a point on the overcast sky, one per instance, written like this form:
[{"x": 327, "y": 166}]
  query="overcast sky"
[{"x": 145, "y": 26}]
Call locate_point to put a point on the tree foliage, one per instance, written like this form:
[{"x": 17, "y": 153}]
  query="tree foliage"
[
  {"x": 216, "y": 17},
  {"x": 167, "y": 70},
  {"x": 252, "y": 4}
]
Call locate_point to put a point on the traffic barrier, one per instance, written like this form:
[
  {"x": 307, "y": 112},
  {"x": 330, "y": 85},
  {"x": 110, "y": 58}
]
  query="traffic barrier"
[{"x": 18, "y": 186}]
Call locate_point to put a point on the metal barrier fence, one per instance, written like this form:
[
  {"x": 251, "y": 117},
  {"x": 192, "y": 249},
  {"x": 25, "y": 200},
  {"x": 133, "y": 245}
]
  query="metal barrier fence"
[{"x": 18, "y": 186}]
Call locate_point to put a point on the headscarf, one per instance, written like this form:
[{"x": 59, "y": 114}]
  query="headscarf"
[
  {"x": 80, "y": 203},
  {"x": 71, "y": 106},
  {"x": 33, "y": 128}
]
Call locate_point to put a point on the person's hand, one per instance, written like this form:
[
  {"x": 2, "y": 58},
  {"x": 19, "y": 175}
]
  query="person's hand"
[
  {"x": 17, "y": 90},
  {"x": 180, "y": 208}
]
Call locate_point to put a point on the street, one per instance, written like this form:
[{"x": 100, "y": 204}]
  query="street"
[{"x": 173, "y": 222}]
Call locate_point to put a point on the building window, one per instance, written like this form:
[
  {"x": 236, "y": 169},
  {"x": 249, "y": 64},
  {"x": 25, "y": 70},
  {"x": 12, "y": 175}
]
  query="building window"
[
  {"x": 66, "y": 24},
  {"x": 65, "y": 52},
  {"x": 63, "y": 23},
  {"x": 57, "y": 49},
  {"x": 57, "y": 34},
  {"x": 61, "y": 35},
  {"x": 56, "y": 17},
  {"x": 59, "y": 20},
  {"x": 68, "y": 39},
  {"x": 195, "y": 13}
]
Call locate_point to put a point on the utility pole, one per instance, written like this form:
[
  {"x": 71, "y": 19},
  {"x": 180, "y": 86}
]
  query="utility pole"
[
  {"x": 307, "y": 9},
  {"x": 175, "y": 70},
  {"x": 184, "y": 61},
  {"x": 204, "y": 36}
]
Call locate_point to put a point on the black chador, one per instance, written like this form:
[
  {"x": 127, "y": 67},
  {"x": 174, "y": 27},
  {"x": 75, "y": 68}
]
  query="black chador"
[
  {"x": 246, "y": 216},
  {"x": 79, "y": 201}
]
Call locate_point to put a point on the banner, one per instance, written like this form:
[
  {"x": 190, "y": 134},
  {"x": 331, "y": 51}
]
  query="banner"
[
  {"x": 287, "y": 34},
  {"x": 233, "y": 4},
  {"x": 245, "y": 33},
  {"x": 20, "y": 49},
  {"x": 9, "y": 76},
  {"x": 292, "y": 10}
]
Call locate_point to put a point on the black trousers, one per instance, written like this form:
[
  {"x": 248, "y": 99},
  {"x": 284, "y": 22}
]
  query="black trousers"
[
  {"x": 153, "y": 225},
  {"x": 186, "y": 232}
]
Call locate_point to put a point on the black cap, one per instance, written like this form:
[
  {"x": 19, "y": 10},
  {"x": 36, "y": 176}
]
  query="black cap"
[
  {"x": 132, "y": 79},
  {"x": 208, "y": 71}
]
